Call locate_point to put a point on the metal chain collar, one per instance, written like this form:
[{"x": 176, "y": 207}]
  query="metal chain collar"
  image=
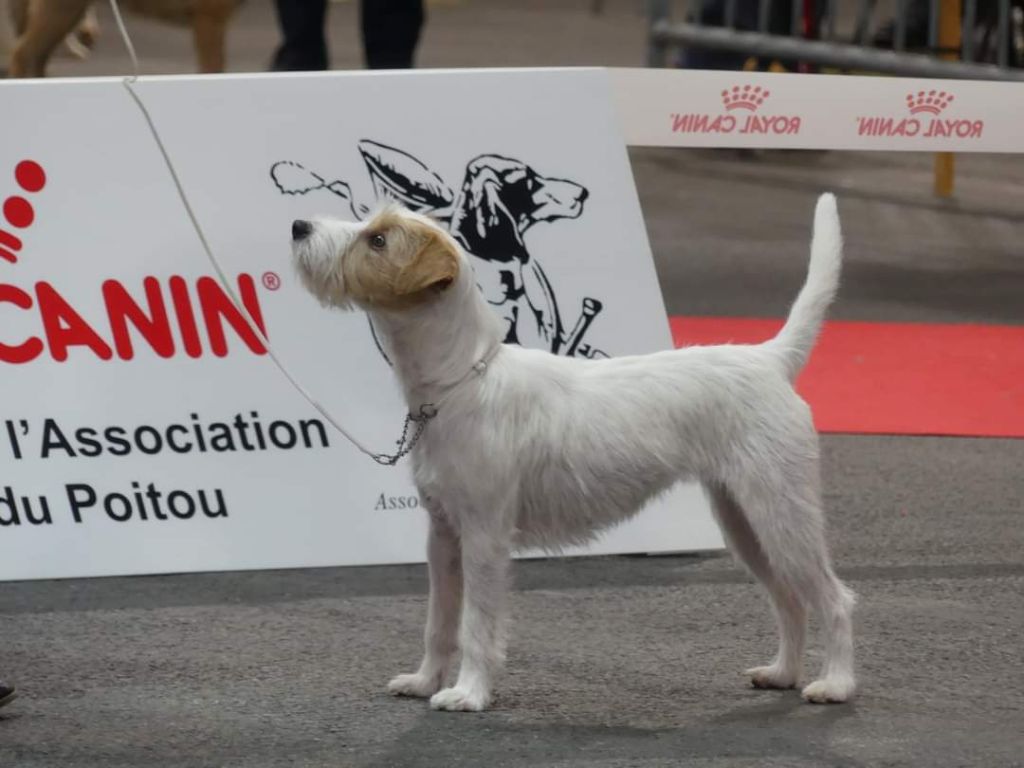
[
  {"x": 427, "y": 410},
  {"x": 406, "y": 443}
]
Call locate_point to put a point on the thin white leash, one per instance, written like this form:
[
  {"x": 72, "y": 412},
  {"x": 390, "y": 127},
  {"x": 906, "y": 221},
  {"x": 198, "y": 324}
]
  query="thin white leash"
[{"x": 426, "y": 412}]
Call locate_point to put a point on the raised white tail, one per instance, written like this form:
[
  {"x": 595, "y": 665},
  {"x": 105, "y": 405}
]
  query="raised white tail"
[{"x": 794, "y": 342}]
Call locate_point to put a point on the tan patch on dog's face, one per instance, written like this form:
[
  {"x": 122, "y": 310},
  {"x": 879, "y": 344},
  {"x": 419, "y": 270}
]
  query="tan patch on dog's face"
[{"x": 398, "y": 262}]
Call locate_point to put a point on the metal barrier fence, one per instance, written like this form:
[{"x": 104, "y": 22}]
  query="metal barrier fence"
[{"x": 975, "y": 39}]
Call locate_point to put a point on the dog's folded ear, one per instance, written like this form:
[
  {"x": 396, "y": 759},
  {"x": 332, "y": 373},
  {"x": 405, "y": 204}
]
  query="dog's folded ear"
[
  {"x": 484, "y": 223},
  {"x": 435, "y": 265}
]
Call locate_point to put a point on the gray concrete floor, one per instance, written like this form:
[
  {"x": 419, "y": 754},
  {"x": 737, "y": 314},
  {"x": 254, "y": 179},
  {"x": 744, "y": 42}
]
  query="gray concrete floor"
[{"x": 628, "y": 661}]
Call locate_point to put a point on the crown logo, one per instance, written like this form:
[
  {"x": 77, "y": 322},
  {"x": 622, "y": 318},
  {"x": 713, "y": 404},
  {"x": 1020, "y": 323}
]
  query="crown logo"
[
  {"x": 18, "y": 211},
  {"x": 749, "y": 97},
  {"x": 932, "y": 102}
]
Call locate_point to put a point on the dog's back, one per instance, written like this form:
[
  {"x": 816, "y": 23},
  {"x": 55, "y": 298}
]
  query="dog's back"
[{"x": 620, "y": 430}]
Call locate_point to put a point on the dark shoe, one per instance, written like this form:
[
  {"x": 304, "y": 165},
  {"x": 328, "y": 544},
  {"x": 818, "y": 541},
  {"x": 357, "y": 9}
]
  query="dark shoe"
[{"x": 7, "y": 694}]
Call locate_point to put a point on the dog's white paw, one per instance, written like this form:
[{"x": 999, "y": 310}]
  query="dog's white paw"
[
  {"x": 772, "y": 676},
  {"x": 460, "y": 700},
  {"x": 420, "y": 686},
  {"x": 829, "y": 690}
]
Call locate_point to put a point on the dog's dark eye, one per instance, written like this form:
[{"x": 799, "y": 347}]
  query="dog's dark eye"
[{"x": 377, "y": 241}]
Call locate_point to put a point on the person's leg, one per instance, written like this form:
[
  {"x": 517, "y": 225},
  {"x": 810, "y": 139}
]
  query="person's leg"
[
  {"x": 6, "y": 38},
  {"x": 391, "y": 31},
  {"x": 304, "y": 45}
]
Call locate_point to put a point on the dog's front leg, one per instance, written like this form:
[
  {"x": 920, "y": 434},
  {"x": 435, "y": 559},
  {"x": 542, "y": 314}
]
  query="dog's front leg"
[
  {"x": 445, "y": 565},
  {"x": 485, "y": 561}
]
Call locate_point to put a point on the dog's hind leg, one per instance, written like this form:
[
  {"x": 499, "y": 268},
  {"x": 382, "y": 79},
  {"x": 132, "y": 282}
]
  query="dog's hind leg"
[
  {"x": 440, "y": 638},
  {"x": 210, "y": 31},
  {"x": 790, "y": 613},
  {"x": 46, "y": 24},
  {"x": 785, "y": 516}
]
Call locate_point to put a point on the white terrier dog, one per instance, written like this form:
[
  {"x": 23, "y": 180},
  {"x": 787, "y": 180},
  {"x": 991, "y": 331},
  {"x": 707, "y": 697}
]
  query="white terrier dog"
[{"x": 527, "y": 449}]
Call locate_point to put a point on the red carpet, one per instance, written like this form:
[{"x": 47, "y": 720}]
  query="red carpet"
[{"x": 897, "y": 378}]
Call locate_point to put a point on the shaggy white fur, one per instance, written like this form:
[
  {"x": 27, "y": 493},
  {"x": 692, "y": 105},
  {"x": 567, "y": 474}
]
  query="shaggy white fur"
[{"x": 535, "y": 450}]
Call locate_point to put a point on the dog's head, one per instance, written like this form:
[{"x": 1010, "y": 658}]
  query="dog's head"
[
  {"x": 396, "y": 260},
  {"x": 501, "y": 199}
]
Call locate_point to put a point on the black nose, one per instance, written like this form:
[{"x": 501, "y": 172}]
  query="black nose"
[{"x": 301, "y": 229}]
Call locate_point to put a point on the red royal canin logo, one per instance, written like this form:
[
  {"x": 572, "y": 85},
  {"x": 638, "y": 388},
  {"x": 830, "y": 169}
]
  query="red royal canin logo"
[
  {"x": 741, "y": 115},
  {"x": 165, "y": 314},
  {"x": 933, "y": 102},
  {"x": 927, "y": 119}
]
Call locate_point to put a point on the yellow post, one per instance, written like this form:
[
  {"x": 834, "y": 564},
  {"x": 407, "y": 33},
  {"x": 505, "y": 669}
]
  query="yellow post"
[{"x": 949, "y": 39}]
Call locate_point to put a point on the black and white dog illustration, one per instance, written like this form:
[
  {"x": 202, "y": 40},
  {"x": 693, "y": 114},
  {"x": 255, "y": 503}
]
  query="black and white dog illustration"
[{"x": 499, "y": 201}]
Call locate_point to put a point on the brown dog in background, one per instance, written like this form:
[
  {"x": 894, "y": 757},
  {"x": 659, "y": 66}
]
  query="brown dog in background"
[{"x": 41, "y": 25}]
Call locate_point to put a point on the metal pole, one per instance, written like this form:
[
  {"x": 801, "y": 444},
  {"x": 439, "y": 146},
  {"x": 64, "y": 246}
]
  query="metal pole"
[
  {"x": 840, "y": 55},
  {"x": 763, "y": 12},
  {"x": 967, "y": 35},
  {"x": 864, "y": 21},
  {"x": 934, "y": 11},
  {"x": 949, "y": 40},
  {"x": 901, "y": 25},
  {"x": 1004, "y": 33},
  {"x": 658, "y": 12}
]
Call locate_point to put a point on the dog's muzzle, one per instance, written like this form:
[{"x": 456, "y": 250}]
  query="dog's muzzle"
[{"x": 318, "y": 246}]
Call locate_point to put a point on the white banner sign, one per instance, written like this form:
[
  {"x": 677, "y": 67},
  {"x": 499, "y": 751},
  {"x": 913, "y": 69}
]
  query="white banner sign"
[
  {"x": 687, "y": 108},
  {"x": 145, "y": 430}
]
